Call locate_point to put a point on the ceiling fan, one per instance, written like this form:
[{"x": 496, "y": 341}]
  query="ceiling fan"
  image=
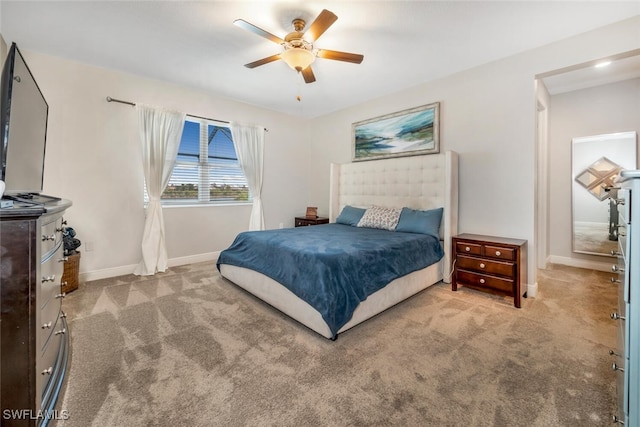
[{"x": 299, "y": 52}]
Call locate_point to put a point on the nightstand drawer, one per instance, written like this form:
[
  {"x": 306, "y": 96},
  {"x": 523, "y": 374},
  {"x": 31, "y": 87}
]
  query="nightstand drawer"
[
  {"x": 469, "y": 248},
  {"x": 499, "y": 252},
  {"x": 303, "y": 221},
  {"x": 485, "y": 266},
  {"x": 470, "y": 278}
]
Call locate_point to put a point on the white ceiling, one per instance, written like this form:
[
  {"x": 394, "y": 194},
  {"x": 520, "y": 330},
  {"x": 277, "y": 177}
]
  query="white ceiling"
[
  {"x": 583, "y": 76},
  {"x": 195, "y": 44}
]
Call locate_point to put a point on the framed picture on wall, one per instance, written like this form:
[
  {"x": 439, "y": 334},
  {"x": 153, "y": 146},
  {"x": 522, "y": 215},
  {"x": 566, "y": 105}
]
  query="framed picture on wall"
[{"x": 409, "y": 132}]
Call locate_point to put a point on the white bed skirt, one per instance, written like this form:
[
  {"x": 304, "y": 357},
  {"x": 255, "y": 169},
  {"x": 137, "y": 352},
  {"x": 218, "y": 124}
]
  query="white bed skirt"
[{"x": 286, "y": 301}]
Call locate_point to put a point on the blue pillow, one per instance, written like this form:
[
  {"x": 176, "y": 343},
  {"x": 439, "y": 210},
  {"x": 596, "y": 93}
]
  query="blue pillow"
[
  {"x": 350, "y": 215},
  {"x": 424, "y": 222}
]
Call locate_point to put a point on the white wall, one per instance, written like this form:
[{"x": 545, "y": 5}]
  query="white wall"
[
  {"x": 599, "y": 110},
  {"x": 488, "y": 116},
  {"x": 542, "y": 187},
  {"x": 93, "y": 159}
]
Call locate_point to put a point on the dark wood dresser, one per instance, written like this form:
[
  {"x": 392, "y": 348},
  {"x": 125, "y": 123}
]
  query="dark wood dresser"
[
  {"x": 33, "y": 331},
  {"x": 303, "y": 221},
  {"x": 494, "y": 264}
]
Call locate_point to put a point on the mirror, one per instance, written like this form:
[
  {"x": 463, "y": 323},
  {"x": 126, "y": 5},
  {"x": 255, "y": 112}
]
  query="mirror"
[{"x": 596, "y": 161}]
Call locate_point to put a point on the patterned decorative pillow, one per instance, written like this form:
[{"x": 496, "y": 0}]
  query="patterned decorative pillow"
[{"x": 379, "y": 217}]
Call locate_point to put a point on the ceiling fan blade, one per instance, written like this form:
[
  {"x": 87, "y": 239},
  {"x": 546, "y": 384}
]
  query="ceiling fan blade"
[
  {"x": 256, "y": 30},
  {"x": 320, "y": 25},
  {"x": 340, "y": 56},
  {"x": 262, "y": 61},
  {"x": 308, "y": 76}
]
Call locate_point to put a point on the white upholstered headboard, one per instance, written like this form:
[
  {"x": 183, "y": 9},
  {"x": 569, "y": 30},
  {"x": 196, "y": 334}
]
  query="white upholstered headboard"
[{"x": 418, "y": 182}]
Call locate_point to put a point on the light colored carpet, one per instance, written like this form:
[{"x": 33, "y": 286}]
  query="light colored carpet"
[{"x": 189, "y": 348}]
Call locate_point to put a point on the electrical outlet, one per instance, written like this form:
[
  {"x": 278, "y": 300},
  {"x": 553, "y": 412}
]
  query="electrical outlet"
[{"x": 281, "y": 225}]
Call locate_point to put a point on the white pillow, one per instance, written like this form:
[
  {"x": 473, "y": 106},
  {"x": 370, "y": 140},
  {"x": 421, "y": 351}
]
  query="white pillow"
[{"x": 379, "y": 217}]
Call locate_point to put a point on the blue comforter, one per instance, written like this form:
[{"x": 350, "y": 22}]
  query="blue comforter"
[{"x": 333, "y": 267}]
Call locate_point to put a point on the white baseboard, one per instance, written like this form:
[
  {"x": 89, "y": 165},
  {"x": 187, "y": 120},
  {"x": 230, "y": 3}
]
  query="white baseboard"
[
  {"x": 106, "y": 273},
  {"x": 192, "y": 259},
  {"x": 532, "y": 290},
  {"x": 582, "y": 263}
]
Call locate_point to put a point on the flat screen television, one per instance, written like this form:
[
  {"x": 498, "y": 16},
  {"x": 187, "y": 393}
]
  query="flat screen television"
[{"x": 23, "y": 132}]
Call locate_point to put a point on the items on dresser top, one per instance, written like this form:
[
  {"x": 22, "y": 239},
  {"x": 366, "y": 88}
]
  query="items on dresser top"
[{"x": 488, "y": 263}]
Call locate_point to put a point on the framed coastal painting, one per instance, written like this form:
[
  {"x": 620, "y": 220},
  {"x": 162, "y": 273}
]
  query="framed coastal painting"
[{"x": 409, "y": 132}]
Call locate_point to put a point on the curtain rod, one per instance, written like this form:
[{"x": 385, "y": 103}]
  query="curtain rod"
[{"x": 133, "y": 104}]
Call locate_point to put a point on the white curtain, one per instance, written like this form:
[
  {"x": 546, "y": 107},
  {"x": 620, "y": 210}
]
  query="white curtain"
[
  {"x": 249, "y": 143},
  {"x": 160, "y": 133}
]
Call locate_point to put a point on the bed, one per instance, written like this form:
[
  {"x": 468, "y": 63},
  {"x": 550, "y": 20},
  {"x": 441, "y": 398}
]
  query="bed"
[{"x": 421, "y": 183}]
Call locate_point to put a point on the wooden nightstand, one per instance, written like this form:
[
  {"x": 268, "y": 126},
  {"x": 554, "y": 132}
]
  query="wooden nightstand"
[
  {"x": 303, "y": 221},
  {"x": 494, "y": 264}
]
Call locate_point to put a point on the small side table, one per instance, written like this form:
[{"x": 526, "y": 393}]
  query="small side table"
[
  {"x": 303, "y": 221},
  {"x": 494, "y": 264}
]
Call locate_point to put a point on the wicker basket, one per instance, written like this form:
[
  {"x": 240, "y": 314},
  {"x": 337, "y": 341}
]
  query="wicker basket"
[{"x": 70, "y": 275}]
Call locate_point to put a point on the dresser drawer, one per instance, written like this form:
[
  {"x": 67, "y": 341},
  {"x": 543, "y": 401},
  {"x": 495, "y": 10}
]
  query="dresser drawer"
[
  {"x": 506, "y": 269},
  {"x": 469, "y": 248},
  {"x": 304, "y": 222},
  {"x": 471, "y": 278},
  {"x": 624, "y": 205},
  {"x": 622, "y": 386},
  {"x": 46, "y": 365},
  {"x": 498, "y": 252},
  {"x": 47, "y": 324},
  {"x": 51, "y": 235},
  {"x": 50, "y": 278}
]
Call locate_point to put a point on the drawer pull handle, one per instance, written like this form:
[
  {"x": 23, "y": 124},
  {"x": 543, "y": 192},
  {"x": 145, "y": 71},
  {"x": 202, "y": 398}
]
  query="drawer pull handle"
[
  {"x": 61, "y": 331},
  {"x": 618, "y": 269},
  {"x": 619, "y": 201},
  {"x": 615, "y": 253},
  {"x": 48, "y": 371},
  {"x": 45, "y": 238},
  {"x": 482, "y": 265},
  {"x": 467, "y": 249},
  {"x": 498, "y": 253},
  {"x": 51, "y": 278},
  {"x": 616, "y": 316},
  {"x": 617, "y": 420},
  {"x": 614, "y": 280},
  {"x": 482, "y": 281},
  {"x": 615, "y": 367},
  {"x": 613, "y": 353},
  {"x": 62, "y": 295},
  {"x": 64, "y": 259},
  {"x": 46, "y": 325}
]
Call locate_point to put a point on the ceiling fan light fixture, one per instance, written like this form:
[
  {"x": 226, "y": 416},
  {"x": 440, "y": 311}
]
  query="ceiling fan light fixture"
[{"x": 298, "y": 58}]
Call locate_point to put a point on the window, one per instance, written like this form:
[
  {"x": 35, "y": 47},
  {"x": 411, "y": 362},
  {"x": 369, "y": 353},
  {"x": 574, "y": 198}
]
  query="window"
[{"x": 207, "y": 168}]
